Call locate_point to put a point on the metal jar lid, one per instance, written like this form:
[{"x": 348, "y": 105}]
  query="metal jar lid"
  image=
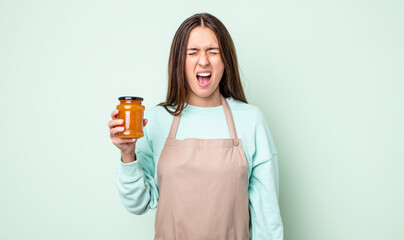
[{"x": 130, "y": 98}]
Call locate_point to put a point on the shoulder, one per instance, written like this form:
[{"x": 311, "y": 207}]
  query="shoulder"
[
  {"x": 157, "y": 114},
  {"x": 253, "y": 126},
  {"x": 156, "y": 111},
  {"x": 158, "y": 124},
  {"x": 245, "y": 111}
]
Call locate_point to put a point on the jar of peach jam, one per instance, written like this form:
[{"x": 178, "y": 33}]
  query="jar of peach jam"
[{"x": 131, "y": 112}]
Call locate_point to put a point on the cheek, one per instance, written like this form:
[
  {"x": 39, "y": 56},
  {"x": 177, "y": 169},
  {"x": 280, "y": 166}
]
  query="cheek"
[
  {"x": 218, "y": 64},
  {"x": 189, "y": 66},
  {"x": 219, "y": 68},
  {"x": 188, "y": 73}
]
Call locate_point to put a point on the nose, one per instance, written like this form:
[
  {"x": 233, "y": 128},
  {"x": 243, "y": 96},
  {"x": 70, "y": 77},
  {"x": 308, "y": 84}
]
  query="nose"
[{"x": 203, "y": 60}]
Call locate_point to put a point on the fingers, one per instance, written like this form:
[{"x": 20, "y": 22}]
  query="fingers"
[
  {"x": 121, "y": 143},
  {"x": 118, "y": 140},
  {"x": 114, "y": 113},
  {"x": 128, "y": 140},
  {"x": 115, "y": 122},
  {"x": 116, "y": 130}
]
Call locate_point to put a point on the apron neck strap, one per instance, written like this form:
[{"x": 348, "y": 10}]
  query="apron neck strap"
[
  {"x": 229, "y": 119},
  {"x": 227, "y": 112}
]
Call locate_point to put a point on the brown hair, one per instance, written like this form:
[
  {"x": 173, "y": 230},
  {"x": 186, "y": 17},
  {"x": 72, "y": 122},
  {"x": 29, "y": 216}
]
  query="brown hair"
[{"x": 230, "y": 84}]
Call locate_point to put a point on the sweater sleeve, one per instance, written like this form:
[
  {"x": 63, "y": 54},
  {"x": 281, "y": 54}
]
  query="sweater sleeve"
[
  {"x": 266, "y": 222},
  {"x": 135, "y": 181}
]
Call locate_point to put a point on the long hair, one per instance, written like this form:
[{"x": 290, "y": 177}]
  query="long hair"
[{"x": 230, "y": 84}]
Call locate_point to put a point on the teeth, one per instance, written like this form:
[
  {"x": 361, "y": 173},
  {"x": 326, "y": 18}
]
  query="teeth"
[{"x": 204, "y": 74}]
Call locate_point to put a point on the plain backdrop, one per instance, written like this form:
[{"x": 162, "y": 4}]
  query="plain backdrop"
[{"x": 328, "y": 76}]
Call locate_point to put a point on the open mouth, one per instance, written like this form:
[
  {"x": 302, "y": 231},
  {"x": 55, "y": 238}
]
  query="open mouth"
[{"x": 204, "y": 78}]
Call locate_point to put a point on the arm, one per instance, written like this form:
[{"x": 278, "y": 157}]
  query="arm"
[
  {"x": 266, "y": 221},
  {"x": 135, "y": 180}
]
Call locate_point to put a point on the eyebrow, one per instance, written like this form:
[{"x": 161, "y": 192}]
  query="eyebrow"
[{"x": 211, "y": 48}]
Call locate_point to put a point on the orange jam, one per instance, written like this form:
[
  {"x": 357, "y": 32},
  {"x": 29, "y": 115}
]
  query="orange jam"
[{"x": 131, "y": 111}]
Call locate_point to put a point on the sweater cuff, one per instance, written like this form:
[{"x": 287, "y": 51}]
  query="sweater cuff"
[{"x": 130, "y": 170}]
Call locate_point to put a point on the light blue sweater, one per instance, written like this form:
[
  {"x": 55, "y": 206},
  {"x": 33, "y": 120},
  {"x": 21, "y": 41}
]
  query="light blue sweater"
[{"x": 137, "y": 181}]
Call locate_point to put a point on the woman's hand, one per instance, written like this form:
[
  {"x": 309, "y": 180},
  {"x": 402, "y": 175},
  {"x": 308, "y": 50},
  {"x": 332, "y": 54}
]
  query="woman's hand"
[{"x": 126, "y": 145}]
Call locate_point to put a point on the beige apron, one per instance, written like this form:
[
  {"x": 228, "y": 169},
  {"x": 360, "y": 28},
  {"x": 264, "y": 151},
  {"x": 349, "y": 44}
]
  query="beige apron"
[{"x": 203, "y": 187}]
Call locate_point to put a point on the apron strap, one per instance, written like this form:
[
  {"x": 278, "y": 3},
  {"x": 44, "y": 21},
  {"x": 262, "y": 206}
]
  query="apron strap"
[
  {"x": 174, "y": 126},
  {"x": 227, "y": 112},
  {"x": 229, "y": 118}
]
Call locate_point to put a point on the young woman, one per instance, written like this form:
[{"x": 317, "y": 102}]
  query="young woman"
[{"x": 207, "y": 160}]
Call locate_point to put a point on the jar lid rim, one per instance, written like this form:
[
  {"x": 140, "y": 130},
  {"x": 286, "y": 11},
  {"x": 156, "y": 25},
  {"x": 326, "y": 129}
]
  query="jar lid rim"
[{"x": 130, "y": 98}]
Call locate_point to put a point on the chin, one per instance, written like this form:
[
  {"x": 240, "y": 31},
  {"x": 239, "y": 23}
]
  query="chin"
[{"x": 203, "y": 94}]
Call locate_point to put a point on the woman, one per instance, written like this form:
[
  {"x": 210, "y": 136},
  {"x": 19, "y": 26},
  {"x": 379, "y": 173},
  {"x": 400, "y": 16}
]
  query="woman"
[{"x": 214, "y": 174}]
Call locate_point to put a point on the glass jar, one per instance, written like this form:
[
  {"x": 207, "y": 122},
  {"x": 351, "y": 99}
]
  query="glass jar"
[{"x": 131, "y": 112}]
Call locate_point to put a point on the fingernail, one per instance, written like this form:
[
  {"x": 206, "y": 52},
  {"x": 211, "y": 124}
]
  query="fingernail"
[
  {"x": 120, "y": 121},
  {"x": 133, "y": 139}
]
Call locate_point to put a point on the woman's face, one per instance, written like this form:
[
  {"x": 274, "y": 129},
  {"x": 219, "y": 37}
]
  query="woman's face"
[{"x": 203, "y": 65}]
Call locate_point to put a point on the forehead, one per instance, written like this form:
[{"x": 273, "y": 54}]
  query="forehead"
[{"x": 202, "y": 37}]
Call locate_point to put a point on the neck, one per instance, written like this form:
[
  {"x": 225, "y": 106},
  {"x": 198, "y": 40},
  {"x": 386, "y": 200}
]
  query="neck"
[{"x": 213, "y": 100}]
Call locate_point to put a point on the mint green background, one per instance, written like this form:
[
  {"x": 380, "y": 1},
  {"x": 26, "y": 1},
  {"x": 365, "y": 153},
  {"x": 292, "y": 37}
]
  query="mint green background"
[{"x": 328, "y": 76}]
